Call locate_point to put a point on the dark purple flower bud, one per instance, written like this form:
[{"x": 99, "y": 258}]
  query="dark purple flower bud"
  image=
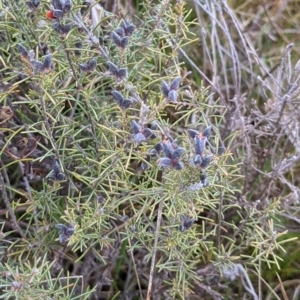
[
  {"x": 78, "y": 47},
  {"x": 122, "y": 73},
  {"x": 144, "y": 164},
  {"x": 22, "y": 50},
  {"x": 101, "y": 41},
  {"x": 90, "y": 66},
  {"x": 178, "y": 165},
  {"x": 168, "y": 149},
  {"x": 135, "y": 127},
  {"x": 159, "y": 147},
  {"x": 130, "y": 29},
  {"x": 147, "y": 133},
  {"x": 173, "y": 95},
  {"x": 57, "y": 27},
  {"x": 165, "y": 88},
  {"x": 120, "y": 32},
  {"x": 199, "y": 144},
  {"x": 62, "y": 29},
  {"x": 84, "y": 9},
  {"x": 118, "y": 96},
  {"x": 221, "y": 150},
  {"x": 47, "y": 64},
  {"x": 101, "y": 199},
  {"x": 154, "y": 125},
  {"x": 57, "y": 4},
  {"x": 33, "y": 4},
  {"x": 124, "y": 42},
  {"x": 31, "y": 55},
  {"x": 65, "y": 232},
  {"x": 198, "y": 160},
  {"x": 192, "y": 133},
  {"x": 116, "y": 38},
  {"x": 124, "y": 24},
  {"x": 113, "y": 69},
  {"x": 204, "y": 180},
  {"x": 139, "y": 138},
  {"x": 67, "y": 28},
  {"x": 67, "y": 6},
  {"x": 164, "y": 162},
  {"x": 125, "y": 104},
  {"x": 153, "y": 153},
  {"x": 56, "y": 174},
  {"x": 175, "y": 84},
  {"x": 189, "y": 223},
  {"x": 37, "y": 65},
  {"x": 186, "y": 223},
  {"x": 58, "y": 14},
  {"x": 206, "y": 161},
  {"x": 119, "y": 41},
  {"x": 176, "y": 155},
  {"x": 207, "y": 132}
]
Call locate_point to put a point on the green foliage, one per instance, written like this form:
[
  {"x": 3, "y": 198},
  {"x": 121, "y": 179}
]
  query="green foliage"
[{"x": 90, "y": 210}]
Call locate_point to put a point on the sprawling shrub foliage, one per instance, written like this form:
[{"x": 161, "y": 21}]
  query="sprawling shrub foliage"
[{"x": 125, "y": 176}]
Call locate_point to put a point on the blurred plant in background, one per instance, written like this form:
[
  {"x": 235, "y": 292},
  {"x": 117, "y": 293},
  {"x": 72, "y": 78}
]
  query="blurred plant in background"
[{"x": 142, "y": 156}]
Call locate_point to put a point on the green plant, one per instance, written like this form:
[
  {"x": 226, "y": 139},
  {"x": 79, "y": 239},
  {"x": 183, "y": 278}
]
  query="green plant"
[{"x": 114, "y": 177}]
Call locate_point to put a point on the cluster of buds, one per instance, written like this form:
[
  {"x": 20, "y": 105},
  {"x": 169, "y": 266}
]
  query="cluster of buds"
[
  {"x": 200, "y": 143},
  {"x": 37, "y": 66},
  {"x": 170, "y": 90},
  {"x": 141, "y": 134},
  {"x": 65, "y": 232},
  {"x": 33, "y": 4},
  {"x": 120, "y": 36},
  {"x": 121, "y": 101},
  {"x": 88, "y": 67},
  {"x": 56, "y": 173},
  {"x": 172, "y": 156},
  {"x": 185, "y": 223},
  {"x": 118, "y": 73},
  {"x": 58, "y": 9}
]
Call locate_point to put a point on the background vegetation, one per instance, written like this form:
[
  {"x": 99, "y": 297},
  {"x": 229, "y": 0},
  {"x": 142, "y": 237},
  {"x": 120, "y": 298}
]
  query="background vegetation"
[{"x": 149, "y": 150}]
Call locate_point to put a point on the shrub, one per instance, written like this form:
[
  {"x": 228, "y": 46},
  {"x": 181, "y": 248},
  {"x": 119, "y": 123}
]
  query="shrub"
[{"x": 117, "y": 176}]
